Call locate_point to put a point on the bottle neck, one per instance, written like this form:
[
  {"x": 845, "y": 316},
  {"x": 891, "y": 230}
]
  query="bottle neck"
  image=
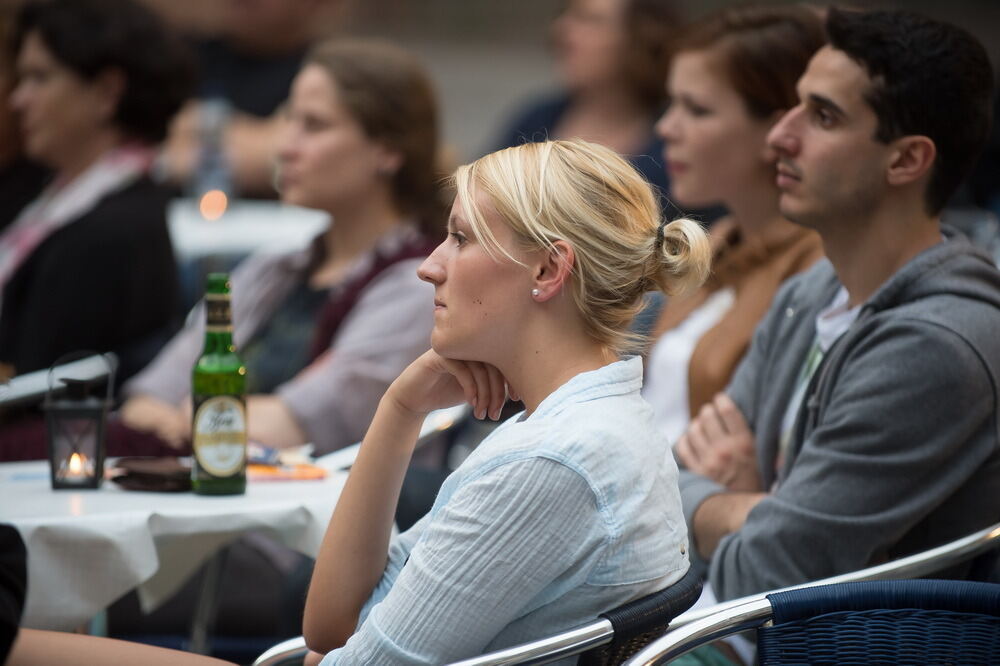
[
  {"x": 218, "y": 324},
  {"x": 219, "y": 342}
]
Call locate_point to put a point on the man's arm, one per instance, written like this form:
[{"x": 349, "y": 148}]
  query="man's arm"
[
  {"x": 719, "y": 516},
  {"x": 720, "y": 446}
]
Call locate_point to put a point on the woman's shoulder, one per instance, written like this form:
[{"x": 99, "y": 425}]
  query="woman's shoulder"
[{"x": 605, "y": 441}]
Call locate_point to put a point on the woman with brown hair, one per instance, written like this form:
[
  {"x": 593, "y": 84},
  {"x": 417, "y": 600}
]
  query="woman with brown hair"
[
  {"x": 611, "y": 58},
  {"x": 324, "y": 330},
  {"x": 732, "y": 77}
]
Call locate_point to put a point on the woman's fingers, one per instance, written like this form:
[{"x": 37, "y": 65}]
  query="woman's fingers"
[
  {"x": 498, "y": 392},
  {"x": 482, "y": 399},
  {"x": 465, "y": 378}
]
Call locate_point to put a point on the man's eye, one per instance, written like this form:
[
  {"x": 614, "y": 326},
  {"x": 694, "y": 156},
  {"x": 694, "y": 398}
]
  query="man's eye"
[{"x": 824, "y": 118}]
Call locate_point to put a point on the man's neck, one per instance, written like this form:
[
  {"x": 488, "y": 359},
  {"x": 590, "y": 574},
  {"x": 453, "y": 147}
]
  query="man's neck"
[{"x": 866, "y": 252}]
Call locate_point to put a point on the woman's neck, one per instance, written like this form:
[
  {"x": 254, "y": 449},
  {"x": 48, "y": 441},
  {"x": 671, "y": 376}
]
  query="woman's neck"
[
  {"x": 355, "y": 230},
  {"x": 550, "y": 353},
  {"x": 755, "y": 211},
  {"x": 85, "y": 152}
]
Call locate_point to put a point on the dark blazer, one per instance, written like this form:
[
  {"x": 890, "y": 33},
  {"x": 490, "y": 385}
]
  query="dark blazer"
[
  {"x": 13, "y": 583},
  {"x": 106, "y": 282}
]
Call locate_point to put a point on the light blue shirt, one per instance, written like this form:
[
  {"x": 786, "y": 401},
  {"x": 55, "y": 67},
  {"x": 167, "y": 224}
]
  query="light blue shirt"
[{"x": 553, "y": 519}]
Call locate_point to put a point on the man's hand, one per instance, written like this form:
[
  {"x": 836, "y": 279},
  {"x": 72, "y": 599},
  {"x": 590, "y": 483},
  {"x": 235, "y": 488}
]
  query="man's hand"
[{"x": 719, "y": 445}]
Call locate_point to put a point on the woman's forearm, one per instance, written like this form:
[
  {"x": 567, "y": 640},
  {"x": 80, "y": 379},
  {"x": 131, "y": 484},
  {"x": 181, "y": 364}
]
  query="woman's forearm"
[{"x": 353, "y": 554}]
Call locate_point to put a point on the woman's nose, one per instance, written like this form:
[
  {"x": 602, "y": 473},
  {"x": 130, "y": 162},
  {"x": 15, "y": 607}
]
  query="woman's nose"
[
  {"x": 432, "y": 268},
  {"x": 16, "y": 99},
  {"x": 666, "y": 126}
]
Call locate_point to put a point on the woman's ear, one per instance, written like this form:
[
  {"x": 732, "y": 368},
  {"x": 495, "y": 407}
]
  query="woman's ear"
[
  {"x": 389, "y": 161},
  {"x": 109, "y": 85},
  {"x": 553, "y": 270}
]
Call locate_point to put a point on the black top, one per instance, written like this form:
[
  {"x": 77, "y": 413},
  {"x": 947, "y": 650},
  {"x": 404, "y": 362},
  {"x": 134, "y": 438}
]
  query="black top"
[
  {"x": 253, "y": 84},
  {"x": 13, "y": 584},
  {"x": 279, "y": 350},
  {"x": 106, "y": 282},
  {"x": 536, "y": 121},
  {"x": 21, "y": 182}
]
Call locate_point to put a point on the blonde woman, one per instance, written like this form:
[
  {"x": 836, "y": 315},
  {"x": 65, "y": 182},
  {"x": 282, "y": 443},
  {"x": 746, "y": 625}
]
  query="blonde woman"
[
  {"x": 565, "y": 510},
  {"x": 568, "y": 508}
]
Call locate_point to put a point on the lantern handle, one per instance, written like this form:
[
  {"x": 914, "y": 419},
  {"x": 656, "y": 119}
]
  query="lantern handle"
[{"x": 110, "y": 361}]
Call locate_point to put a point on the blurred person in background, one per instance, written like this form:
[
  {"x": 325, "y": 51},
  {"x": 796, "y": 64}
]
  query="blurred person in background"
[
  {"x": 88, "y": 264},
  {"x": 21, "y": 179},
  {"x": 248, "y": 52},
  {"x": 324, "y": 330},
  {"x": 732, "y": 77},
  {"x": 611, "y": 59}
]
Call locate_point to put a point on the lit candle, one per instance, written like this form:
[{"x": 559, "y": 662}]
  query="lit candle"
[{"x": 78, "y": 468}]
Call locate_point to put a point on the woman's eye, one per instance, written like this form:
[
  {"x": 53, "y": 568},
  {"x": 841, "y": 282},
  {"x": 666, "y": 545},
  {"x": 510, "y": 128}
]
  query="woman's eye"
[
  {"x": 457, "y": 237},
  {"x": 311, "y": 124},
  {"x": 696, "y": 110}
]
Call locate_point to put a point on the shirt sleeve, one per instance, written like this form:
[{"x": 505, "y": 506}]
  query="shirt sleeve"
[
  {"x": 899, "y": 434},
  {"x": 335, "y": 397},
  {"x": 479, "y": 565}
]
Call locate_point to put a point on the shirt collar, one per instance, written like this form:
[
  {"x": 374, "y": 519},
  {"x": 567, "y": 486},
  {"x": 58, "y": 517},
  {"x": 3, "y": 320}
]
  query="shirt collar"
[{"x": 618, "y": 378}]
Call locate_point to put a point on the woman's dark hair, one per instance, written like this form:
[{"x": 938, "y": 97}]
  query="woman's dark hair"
[
  {"x": 650, "y": 26},
  {"x": 390, "y": 95},
  {"x": 761, "y": 51},
  {"x": 90, "y": 37},
  {"x": 927, "y": 78}
]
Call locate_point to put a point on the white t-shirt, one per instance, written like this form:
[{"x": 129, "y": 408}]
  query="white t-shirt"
[
  {"x": 831, "y": 323},
  {"x": 665, "y": 386}
]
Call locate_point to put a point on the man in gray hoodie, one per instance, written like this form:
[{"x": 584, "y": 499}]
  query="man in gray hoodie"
[{"x": 862, "y": 424}]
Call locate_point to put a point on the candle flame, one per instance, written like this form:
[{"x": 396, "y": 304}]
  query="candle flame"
[
  {"x": 75, "y": 463},
  {"x": 213, "y": 204}
]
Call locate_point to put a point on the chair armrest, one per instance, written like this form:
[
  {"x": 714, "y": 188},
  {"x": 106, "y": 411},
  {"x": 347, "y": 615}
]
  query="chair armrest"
[
  {"x": 285, "y": 653},
  {"x": 550, "y": 648},
  {"x": 912, "y": 566},
  {"x": 694, "y": 634}
]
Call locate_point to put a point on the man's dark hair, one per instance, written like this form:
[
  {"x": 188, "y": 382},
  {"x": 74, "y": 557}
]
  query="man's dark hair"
[
  {"x": 928, "y": 78},
  {"x": 91, "y": 36}
]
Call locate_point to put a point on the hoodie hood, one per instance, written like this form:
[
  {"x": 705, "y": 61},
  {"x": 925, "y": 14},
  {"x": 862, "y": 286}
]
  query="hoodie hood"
[{"x": 953, "y": 267}]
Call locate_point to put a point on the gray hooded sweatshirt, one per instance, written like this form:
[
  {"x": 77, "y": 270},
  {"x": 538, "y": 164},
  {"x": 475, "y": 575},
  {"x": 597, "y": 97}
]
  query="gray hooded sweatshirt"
[{"x": 895, "y": 446}]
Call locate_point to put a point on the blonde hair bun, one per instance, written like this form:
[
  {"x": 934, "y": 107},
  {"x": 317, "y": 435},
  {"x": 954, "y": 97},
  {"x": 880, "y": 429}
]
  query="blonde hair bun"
[{"x": 680, "y": 257}]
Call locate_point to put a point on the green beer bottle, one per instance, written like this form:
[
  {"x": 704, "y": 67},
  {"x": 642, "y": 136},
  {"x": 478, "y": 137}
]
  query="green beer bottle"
[{"x": 218, "y": 391}]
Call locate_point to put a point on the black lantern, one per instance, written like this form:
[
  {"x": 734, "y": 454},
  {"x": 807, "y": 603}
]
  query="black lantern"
[{"x": 75, "y": 424}]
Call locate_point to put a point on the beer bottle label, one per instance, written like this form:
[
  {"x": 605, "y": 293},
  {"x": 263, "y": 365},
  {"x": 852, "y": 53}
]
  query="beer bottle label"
[
  {"x": 219, "y": 318},
  {"x": 220, "y": 435}
]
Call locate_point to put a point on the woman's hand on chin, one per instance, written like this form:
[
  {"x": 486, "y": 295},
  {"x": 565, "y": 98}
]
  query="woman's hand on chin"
[{"x": 433, "y": 382}]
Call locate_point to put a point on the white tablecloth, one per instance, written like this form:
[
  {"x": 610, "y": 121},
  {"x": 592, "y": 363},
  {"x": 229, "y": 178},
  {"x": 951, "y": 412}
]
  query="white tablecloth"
[
  {"x": 246, "y": 227},
  {"x": 88, "y": 548}
]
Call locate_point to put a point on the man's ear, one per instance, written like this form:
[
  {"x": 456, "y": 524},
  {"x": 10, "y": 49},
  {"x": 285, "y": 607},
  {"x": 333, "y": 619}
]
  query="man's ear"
[
  {"x": 553, "y": 269},
  {"x": 910, "y": 159}
]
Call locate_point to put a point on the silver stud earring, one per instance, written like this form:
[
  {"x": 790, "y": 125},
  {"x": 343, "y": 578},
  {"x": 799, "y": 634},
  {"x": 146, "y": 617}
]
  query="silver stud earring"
[{"x": 535, "y": 293}]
